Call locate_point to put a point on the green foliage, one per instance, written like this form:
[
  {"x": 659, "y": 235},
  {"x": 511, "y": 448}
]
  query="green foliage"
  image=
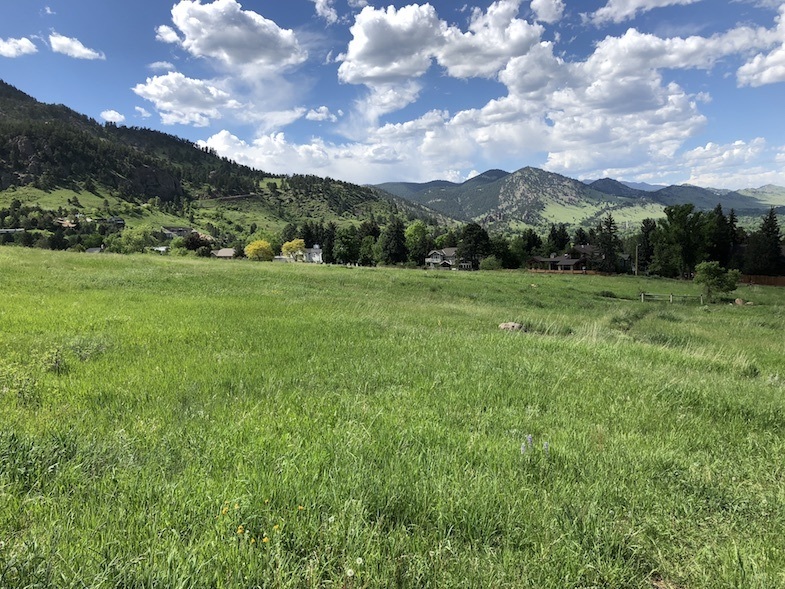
[
  {"x": 715, "y": 279},
  {"x": 367, "y": 254},
  {"x": 293, "y": 248},
  {"x": 491, "y": 263},
  {"x": 131, "y": 241},
  {"x": 608, "y": 245},
  {"x": 259, "y": 251},
  {"x": 473, "y": 244},
  {"x": 764, "y": 249},
  {"x": 392, "y": 243},
  {"x": 347, "y": 245},
  {"x": 678, "y": 242},
  {"x": 418, "y": 242}
]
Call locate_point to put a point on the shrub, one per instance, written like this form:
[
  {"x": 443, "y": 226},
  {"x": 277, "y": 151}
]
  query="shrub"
[{"x": 491, "y": 263}]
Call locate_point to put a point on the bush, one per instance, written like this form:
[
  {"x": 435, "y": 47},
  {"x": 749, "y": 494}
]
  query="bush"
[{"x": 491, "y": 263}]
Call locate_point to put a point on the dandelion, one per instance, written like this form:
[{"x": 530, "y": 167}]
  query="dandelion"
[
  {"x": 359, "y": 561},
  {"x": 350, "y": 573},
  {"x": 253, "y": 540},
  {"x": 331, "y": 519},
  {"x": 237, "y": 506},
  {"x": 224, "y": 511},
  {"x": 300, "y": 508},
  {"x": 276, "y": 527},
  {"x": 266, "y": 540},
  {"x": 240, "y": 530}
]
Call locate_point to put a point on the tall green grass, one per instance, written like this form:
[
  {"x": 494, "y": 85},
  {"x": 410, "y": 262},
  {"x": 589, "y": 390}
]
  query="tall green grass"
[{"x": 196, "y": 423}]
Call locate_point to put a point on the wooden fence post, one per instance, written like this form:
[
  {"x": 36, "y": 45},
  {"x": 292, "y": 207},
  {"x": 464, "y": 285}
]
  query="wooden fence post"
[{"x": 671, "y": 297}]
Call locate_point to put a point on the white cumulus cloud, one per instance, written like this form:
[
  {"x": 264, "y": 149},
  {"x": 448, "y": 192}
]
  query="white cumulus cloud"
[
  {"x": 161, "y": 66},
  {"x": 321, "y": 114},
  {"x": 620, "y": 10},
  {"x": 548, "y": 11},
  {"x": 326, "y": 10},
  {"x": 240, "y": 40},
  {"x": 184, "y": 100},
  {"x": 493, "y": 38},
  {"x": 766, "y": 68},
  {"x": 72, "y": 47},
  {"x": 142, "y": 112},
  {"x": 112, "y": 116},
  {"x": 391, "y": 45},
  {"x": 741, "y": 164},
  {"x": 17, "y": 47}
]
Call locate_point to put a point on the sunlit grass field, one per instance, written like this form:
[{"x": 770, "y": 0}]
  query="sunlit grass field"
[{"x": 174, "y": 422}]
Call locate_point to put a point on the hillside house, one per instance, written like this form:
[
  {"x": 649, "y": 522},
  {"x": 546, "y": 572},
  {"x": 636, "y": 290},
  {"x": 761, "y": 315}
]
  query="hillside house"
[
  {"x": 554, "y": 263},
  {"x": 443, "y": 259},
  {"x": 172, "y": 232}
]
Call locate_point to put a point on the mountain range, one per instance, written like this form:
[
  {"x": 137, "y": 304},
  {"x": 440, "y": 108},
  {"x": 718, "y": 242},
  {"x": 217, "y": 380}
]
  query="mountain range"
[
  {"x": 531, "y": 196},
  {"x": 53, "y": 156}
]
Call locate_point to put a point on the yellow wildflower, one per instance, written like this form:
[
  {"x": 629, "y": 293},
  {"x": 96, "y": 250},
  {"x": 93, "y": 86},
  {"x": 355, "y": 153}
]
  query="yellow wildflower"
[
  {"x": 240, "y": 530},
  {"x": 276, "y": 527},
  {"x": 300, "y": 508},
  {"x": 265, "y": 539}
]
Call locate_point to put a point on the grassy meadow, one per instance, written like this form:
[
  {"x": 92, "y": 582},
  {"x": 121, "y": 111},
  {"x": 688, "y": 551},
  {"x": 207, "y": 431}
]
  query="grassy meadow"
[{"x": 175, "y": 422}]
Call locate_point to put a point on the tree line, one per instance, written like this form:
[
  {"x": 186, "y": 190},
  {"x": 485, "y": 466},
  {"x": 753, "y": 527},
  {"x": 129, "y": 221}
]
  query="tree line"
[{"x": 670, "y": 247}]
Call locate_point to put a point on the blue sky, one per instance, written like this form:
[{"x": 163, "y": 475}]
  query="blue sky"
[{"x": 660, "y": 91}]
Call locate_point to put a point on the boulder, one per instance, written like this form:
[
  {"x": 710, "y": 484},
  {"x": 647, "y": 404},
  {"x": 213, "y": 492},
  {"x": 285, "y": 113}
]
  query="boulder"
[
  {"x": 510, "y": 326},
  {"x": 740, "y": 302}
]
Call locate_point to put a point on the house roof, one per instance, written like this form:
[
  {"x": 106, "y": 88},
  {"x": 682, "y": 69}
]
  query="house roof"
[
  {"x": 226, "y": 252},
  {"x": 447, "y": 251}
]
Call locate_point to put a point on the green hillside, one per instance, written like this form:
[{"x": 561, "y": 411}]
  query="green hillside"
[
  {"x": 176, "y": 422},
  {"x": 50, "y": 155}
]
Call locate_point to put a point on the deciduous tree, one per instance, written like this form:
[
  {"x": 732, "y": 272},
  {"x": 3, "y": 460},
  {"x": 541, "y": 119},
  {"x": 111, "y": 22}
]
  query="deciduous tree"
[
  {"x": 259, "y": 250},
  {"x": 293, "y": 248},
  {"x": 715, "y": 279}
]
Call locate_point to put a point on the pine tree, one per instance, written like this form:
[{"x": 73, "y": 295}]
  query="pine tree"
[
  {"x": 763, "y": 254},
  {"x": 474, "y": 244},
  {"x": 719, "y": 239},
  {"x": 392, "y": 243},
  {"x": 608, "y": 244}
]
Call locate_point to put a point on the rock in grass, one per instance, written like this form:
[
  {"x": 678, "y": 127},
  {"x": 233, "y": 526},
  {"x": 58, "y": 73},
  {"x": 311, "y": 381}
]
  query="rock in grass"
[{"x": 510, "y": 326}]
